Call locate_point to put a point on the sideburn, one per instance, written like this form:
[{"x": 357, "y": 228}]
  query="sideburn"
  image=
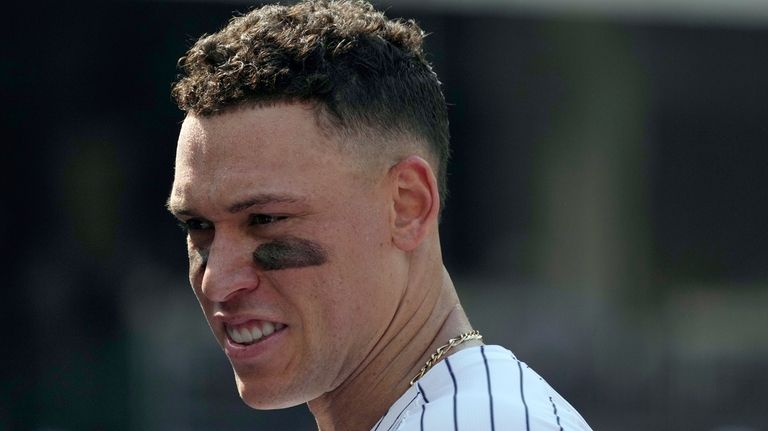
[{"x": 288, "y": 253}]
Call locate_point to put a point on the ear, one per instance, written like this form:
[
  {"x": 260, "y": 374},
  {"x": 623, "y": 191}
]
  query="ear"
[{"x": 416, "y": 202}]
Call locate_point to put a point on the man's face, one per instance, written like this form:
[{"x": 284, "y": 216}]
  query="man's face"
[{"x": 290, "y": 249}]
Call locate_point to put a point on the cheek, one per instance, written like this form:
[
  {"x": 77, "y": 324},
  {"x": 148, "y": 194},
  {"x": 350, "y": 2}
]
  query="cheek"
[
  {"x": 197, "y": 262},
  {"x": 373, "y": 276},
  {"x": 197, "y": 257}
]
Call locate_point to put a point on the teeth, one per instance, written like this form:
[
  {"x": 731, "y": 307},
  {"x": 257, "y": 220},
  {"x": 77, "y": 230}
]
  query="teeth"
[
  {"x": 256, "y": 333},
  {"x": 235, "y": 335},
  {"x": 268, "y": 328},
  {"x": 245, "y": 335}
]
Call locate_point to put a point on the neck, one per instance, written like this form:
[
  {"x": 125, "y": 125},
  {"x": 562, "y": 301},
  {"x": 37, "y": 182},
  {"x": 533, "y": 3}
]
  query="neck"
[{"x": 428, "y": 316}]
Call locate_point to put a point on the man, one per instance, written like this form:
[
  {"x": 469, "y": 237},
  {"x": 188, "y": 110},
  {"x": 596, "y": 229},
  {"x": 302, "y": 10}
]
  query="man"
[{"x": 310, "y": 174}]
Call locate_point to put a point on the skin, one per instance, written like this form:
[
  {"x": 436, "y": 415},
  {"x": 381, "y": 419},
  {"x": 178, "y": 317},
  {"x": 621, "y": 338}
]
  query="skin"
[{"x": 285, "y": 227}]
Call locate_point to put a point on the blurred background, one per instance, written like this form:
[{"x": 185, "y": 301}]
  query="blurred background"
[{"x": 606, "y": 220}]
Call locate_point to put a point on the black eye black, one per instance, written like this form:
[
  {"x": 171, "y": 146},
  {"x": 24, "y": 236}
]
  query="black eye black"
[{"x": 265, "y": 219}]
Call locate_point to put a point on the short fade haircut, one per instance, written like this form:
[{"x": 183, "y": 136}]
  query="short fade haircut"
[{"x": 364, "y": 73}]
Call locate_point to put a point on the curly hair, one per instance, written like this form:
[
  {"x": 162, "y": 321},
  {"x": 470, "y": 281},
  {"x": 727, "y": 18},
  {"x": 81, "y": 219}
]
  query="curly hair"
[{"x": 366, "y": 73}]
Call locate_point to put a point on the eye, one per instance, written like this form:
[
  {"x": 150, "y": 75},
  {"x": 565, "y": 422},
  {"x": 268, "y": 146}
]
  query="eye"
[
  {"x": 195, "y": 224},
  {"x": 259, "y": 219}
]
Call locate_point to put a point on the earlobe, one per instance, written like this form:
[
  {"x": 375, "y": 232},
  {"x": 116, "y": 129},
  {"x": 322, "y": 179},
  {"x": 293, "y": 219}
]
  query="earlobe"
[{"x": 416, "y": 202}]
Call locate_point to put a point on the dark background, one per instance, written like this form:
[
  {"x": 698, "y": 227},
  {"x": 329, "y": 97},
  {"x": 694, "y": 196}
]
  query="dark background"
[{"x": 606, "y": 218}]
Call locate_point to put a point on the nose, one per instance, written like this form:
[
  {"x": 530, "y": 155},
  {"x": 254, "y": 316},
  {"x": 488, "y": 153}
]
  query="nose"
[{"x": 229, "y": 270}]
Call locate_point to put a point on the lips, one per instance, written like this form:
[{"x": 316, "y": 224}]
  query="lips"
[{"x": 252, "y": 331}]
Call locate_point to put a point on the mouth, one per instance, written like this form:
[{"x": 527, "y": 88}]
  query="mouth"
[{"x": 252, "y": 331}]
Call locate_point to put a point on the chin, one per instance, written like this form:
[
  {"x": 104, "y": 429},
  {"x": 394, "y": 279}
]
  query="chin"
[{"x": 264, "y": 396}]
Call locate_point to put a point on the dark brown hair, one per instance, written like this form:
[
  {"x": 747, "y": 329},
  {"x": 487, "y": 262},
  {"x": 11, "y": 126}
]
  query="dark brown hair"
[{"x": 366, "y": 73}]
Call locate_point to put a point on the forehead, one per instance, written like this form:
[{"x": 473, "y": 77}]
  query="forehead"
[
  {"x": 257, "y": 131},
  {"x": 265, "y": 150}
]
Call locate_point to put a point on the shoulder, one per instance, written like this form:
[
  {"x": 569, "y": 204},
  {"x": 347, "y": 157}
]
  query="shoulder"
[{"x": 487, "y": 388}]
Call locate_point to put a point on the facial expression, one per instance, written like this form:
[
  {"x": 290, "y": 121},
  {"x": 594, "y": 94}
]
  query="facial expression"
[{"x": 290, "y": 249}]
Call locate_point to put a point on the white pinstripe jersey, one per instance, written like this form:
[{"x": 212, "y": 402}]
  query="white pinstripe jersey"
[{"x": 482, "y": 388}]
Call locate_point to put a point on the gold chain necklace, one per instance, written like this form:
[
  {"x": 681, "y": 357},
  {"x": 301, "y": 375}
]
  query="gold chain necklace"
[{"x": 442, "y": 350}]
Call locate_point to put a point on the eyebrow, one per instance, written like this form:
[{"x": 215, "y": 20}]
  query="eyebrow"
[
  {"x": 261, "y": 200},
  {"x": 256, "y": 200}
]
